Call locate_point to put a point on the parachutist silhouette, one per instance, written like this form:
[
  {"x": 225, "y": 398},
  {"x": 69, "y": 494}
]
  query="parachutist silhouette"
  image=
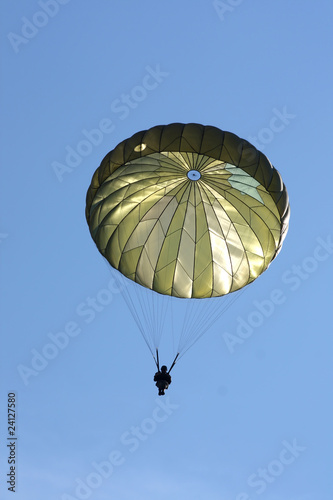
[{"x": 162, "y": 379}]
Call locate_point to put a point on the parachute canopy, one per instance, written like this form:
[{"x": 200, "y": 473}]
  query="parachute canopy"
[{"x": 188, "y": 210}]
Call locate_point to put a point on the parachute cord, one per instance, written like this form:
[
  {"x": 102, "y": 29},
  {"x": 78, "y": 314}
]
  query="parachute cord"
[
  {"x": 158, "y": 361},
  {"x": 201, "y": 326},
  {"x": 186, "y": 320},
  {"x": 153, "y": 311},
  {"x": 138, "y": 322},
  {"x": 172, "y": 327},
  {"x": 147, "y": 311},
  {"x": 136, "y": 318},
  {"x": 122, "y": 284},
  {"x": 155, "y": 316},
  {"x": 189, "y": 322},
  {"x": 150, "y": 316},
  {"x": 198, "y": 320},
  {"x": 174, "y": 362},
  {"x": 214, "y": 317},
  {"x": 145, "y": 300}
]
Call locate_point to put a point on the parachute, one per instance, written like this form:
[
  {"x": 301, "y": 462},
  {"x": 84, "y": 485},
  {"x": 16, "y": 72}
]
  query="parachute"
[{"x": 187, "y": 211}]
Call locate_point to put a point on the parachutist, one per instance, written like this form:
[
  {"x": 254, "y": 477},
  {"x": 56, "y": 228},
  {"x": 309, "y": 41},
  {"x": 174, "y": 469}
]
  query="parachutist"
[{"x": 162, "y": 379}]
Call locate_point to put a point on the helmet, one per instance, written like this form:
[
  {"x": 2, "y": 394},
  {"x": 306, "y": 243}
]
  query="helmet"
[{"x": 164, "y": 369}]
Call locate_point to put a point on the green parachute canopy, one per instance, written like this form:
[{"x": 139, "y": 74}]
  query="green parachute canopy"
[{"x": 188, "y": 210}]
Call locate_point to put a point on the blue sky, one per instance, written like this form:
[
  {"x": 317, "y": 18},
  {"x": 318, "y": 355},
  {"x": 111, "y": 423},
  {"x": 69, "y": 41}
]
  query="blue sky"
[{"x": 243, "y": 421}]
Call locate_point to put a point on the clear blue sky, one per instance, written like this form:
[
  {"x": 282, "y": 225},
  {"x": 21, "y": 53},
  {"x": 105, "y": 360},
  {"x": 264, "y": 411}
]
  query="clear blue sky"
[{"x": 243, "y": 422}]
